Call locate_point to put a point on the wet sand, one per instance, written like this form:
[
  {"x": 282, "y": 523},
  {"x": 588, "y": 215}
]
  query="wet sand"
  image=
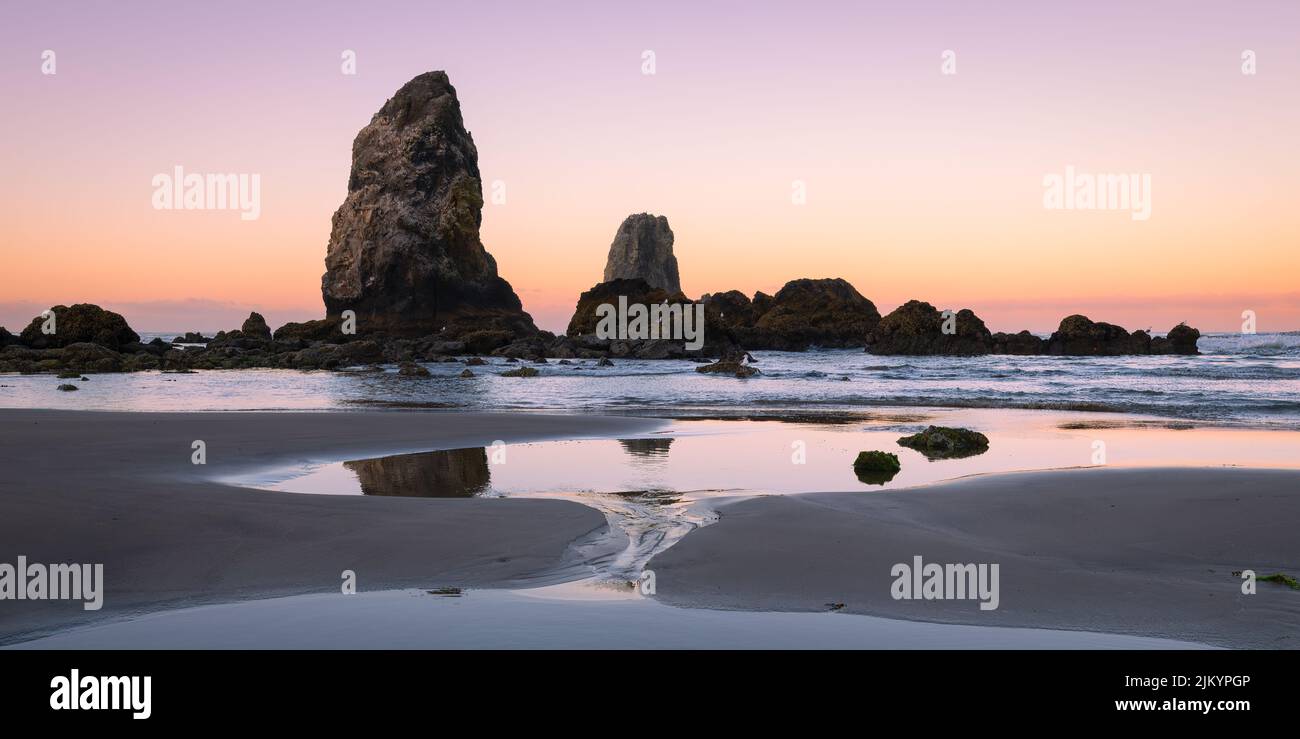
[
  {"x": 1146, "y": 552},
  {"x": 1143, "y": 552},
  {"x": 524, "y": 619},
  {"x": 120, "y": 489}
]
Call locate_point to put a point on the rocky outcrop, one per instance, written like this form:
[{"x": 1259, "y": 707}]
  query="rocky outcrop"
[
  {"x": 80, "y": 323},
  {"x": 1180, "y": 340},
  {"x": 1080, "y": 336},
  {"x": 191, "y": 337},
  {"x": 255, "y": 327},
  {"x": 943, "y": 442},
  {"x": 581, "y": 340},
  {"x": 326, "y": 329},
  {"x": 404, "y": 251},
  {"x": 917, "y": 328},
  {"x": 253, "y": 334},
  {"x": 828, "y": 313},
  {"x": 730, "y": 363},
  {"x": 643, "y": 249},
  {"x": 1023, "y": 343}
]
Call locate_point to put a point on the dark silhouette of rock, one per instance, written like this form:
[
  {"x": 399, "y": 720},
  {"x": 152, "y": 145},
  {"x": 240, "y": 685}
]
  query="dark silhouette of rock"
[
  {"x": 1080, "y": 336},
  {"x": 404, "y": 250},
  {"x": 643, "y": 249},
  {"x": 1023, "y": 343},
  {"x": 1181, "y": 340},
  {"x": 453, "y": 473},
  {"x": 917, "y": 328},
  {"x": 191, "y": 337},
  {"x": 828, "y": 313},
  {"x": 255, "y": 327},
  {"x": 326, "y": 329},
  {"x": 7, "y": 339},
  {"x": 87, "y": 357},
  {"x": 80, "y": 323},
  {"x": 635, "y": 290}
]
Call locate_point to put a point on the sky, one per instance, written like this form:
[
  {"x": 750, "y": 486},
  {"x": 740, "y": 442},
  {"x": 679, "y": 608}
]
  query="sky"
[{"x": 917, "y": 183}]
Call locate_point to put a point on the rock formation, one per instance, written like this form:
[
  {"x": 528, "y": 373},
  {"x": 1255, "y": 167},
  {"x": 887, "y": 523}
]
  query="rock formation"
[
  {"x": 79, "y": 323},
  {"x": 828, "y": 313},
  {"x": 404, "y": 252},
  {"x": 942, "y": 442},
  {"x": 917, "y": 328},
  {"x": 643, "y": 248},
  {"x": 1080, "y": 336}
]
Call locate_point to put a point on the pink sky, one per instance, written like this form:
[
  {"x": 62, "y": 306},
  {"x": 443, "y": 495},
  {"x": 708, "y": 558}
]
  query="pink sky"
[{"x": 920, "y": 185}]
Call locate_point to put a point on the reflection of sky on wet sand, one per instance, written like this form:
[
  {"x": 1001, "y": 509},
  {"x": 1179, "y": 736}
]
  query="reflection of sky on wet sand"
[
  {"x": 656, "y": 489},
  {"x": 763, "y": 457}
]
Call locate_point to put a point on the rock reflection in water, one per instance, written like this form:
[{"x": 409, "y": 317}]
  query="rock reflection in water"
[
  {"x": 454, "y": 473},
  {"x": 646, "y": 448}
]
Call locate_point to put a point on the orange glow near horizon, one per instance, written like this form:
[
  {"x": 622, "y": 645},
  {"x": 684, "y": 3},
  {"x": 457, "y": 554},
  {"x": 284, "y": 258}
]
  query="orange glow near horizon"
[{"x": 918, "y": 185}]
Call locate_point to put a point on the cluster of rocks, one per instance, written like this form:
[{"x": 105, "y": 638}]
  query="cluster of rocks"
[
  {"x": 407, "y": 279},
  {"x": 642, "y": 269},
  {"x": 918, "y": 328}
]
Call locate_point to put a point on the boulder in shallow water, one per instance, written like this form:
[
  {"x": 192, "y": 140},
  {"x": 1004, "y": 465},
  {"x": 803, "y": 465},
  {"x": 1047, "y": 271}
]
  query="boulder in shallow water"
[
  {"x": 876, "y": 467},
  {"x": 943, "y": 442},
  {"x": 411, "y": 369}
]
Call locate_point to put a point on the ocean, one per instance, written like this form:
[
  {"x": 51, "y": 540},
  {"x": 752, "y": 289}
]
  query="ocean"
[{"x": 1250, "y": 380}]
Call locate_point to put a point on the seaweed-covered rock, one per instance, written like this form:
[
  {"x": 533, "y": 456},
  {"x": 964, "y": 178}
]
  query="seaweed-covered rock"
[
  {"x": 945, "y": 442},
  {"x": 67, "y": 388},
  {"x": 876, "y": 467},
  {"x": 87, "y": 357},
  {"x": 80, "y": 323},
  {"x": 917, "y": 328},
  {"x": 521, "y": 372},
  {"x": 731, "y": 363}
]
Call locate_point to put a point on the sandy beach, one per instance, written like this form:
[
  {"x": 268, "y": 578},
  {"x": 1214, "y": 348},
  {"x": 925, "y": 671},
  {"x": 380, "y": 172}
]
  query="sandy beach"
[
  {"x": 1133, "y": 551},
  {"x": 120, "y": 489},
  {"x": 1138, "y": 552}
]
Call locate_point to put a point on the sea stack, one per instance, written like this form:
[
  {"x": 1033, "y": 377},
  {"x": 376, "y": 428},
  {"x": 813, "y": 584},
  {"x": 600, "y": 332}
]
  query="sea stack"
[
  {"x": 643, "y": 249},
  {"x": 404, "y": 252}
]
